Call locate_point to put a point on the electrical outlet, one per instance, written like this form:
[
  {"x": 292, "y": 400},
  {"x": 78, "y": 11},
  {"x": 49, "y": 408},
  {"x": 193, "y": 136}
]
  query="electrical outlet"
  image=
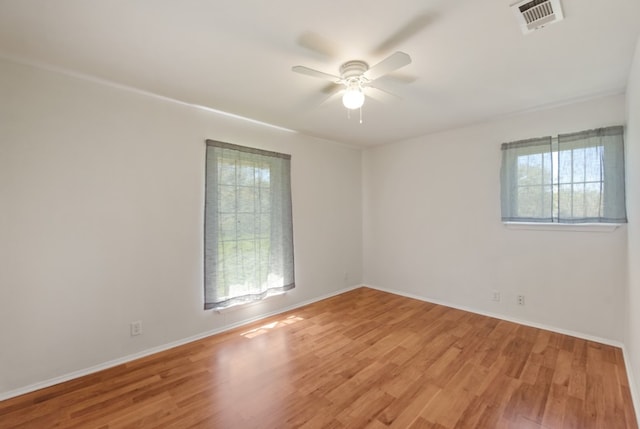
[
  {"x": 520, "y": 299},
  {"x": 136, "y": 328},
  {"x": 495, "y": 296}
]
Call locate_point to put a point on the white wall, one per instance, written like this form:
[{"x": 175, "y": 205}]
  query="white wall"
[
  {"x": 632, "y": 144},
  {"x": 101, "y": 214},
  {"x": 432, "y": 228}
]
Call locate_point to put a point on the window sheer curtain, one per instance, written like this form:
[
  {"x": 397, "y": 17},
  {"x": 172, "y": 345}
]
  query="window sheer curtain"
[
  {"x": 527, "y": 181},
  {"x": 248, "y": 225},
  {"x": 591, "y": 176},
  {"x": 579, "y": 178}
]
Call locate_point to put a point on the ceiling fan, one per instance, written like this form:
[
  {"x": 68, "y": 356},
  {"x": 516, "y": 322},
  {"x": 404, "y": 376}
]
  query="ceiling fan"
[{"x": 356, "y": 76}]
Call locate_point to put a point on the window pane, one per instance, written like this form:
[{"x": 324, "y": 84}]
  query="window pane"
[
  {"x": 264, "y": 251},
  {"x": 264, "y": 225},
  {"x": 246, "y": 174},
  {"x": 227, "y": 266},
  {"x": 564, "y": 201},
  {"x": 555, "y": 208},
  {"x": 247, "y": 253},
  {"x": 262, "y": 176},
  {"x": 578, "y": 165},
  {"x": 246, "y": 199},
  {"x": 227, "y": 228},
  {"x": 227, "y": 198},
  {"x": 593, "y": 200},
  {"x": 593, "y": 171},
  {"x": 246, "y": 226},
  {"x": 547, "y": 170},
  {"x": 265, "y": 200},
  {"x": 529, "y": 199},
  {"x": 227, "y": 170},
  {"x": 546, "y": 203},
  {"x": 564, "y": 167},
  {"x": 579, "y": 210},
  {"x": 530, "y": 170}
]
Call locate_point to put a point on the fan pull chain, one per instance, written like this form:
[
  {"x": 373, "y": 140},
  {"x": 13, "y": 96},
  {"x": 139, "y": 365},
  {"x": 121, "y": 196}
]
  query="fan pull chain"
[{"x": 349, "y": 114}]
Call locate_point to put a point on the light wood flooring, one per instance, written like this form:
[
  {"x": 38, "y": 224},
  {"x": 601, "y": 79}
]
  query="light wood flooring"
[{"x": 361, "y": 359}]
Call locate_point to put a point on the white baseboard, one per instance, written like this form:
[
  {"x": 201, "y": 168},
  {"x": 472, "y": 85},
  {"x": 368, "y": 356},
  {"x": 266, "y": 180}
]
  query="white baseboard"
[
  {"x": 581, "y": 335},
  {"x": 633, "y": 387},
  {"x": 119, "y": 361}
]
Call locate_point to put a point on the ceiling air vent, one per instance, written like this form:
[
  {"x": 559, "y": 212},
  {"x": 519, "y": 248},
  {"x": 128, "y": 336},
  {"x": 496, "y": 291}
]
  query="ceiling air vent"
[{"x": 535, "y": 14}]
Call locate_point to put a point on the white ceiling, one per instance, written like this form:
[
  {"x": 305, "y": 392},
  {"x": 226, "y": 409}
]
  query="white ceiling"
[{"x": 470, "y": 60}]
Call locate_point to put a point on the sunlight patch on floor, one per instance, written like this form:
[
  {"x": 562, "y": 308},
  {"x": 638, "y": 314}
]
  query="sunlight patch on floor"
[{"x": 271, "y": 326}]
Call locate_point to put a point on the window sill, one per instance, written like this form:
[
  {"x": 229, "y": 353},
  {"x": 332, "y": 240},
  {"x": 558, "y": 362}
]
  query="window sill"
[{"x": 574, "y": 227}]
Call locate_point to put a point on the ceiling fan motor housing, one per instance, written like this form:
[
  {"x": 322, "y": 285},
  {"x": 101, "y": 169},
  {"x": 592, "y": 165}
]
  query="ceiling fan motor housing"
[{"x": 353, "y": 69}]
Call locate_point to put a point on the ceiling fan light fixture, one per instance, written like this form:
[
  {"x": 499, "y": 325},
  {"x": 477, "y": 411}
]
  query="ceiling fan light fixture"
[
  {"x": 353, "y": 97},
  {"x": 356, "y": 75}
]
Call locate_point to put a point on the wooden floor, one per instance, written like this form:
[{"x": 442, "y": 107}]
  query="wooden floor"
[{"x": 361, "y": 359}]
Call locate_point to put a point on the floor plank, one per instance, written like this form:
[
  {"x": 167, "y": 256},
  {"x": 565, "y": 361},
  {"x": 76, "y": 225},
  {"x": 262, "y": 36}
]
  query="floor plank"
[{"x": 363, "y": 359}]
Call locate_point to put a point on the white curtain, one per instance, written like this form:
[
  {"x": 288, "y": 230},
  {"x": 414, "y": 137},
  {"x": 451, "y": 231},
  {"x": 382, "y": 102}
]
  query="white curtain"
[{"x": 248, "y": 225}]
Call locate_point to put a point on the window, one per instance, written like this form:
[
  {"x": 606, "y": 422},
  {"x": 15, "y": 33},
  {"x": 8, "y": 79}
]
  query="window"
[
  {"x": 576, "y": 178},
  {"x": 248, "y": 225}
]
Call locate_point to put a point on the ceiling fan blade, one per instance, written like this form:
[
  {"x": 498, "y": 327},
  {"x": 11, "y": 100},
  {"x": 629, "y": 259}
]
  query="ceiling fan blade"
[
  {"x": 410, "y": 29},
  {"x": 316, "y": 73},
  {"x": 389, "y": 64},
  {"x": 393, "y": 83},
  {"x": 380, "y": 94},
  {"x": 330, "y": 88},
  {"x": 397, "y": 79}
]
